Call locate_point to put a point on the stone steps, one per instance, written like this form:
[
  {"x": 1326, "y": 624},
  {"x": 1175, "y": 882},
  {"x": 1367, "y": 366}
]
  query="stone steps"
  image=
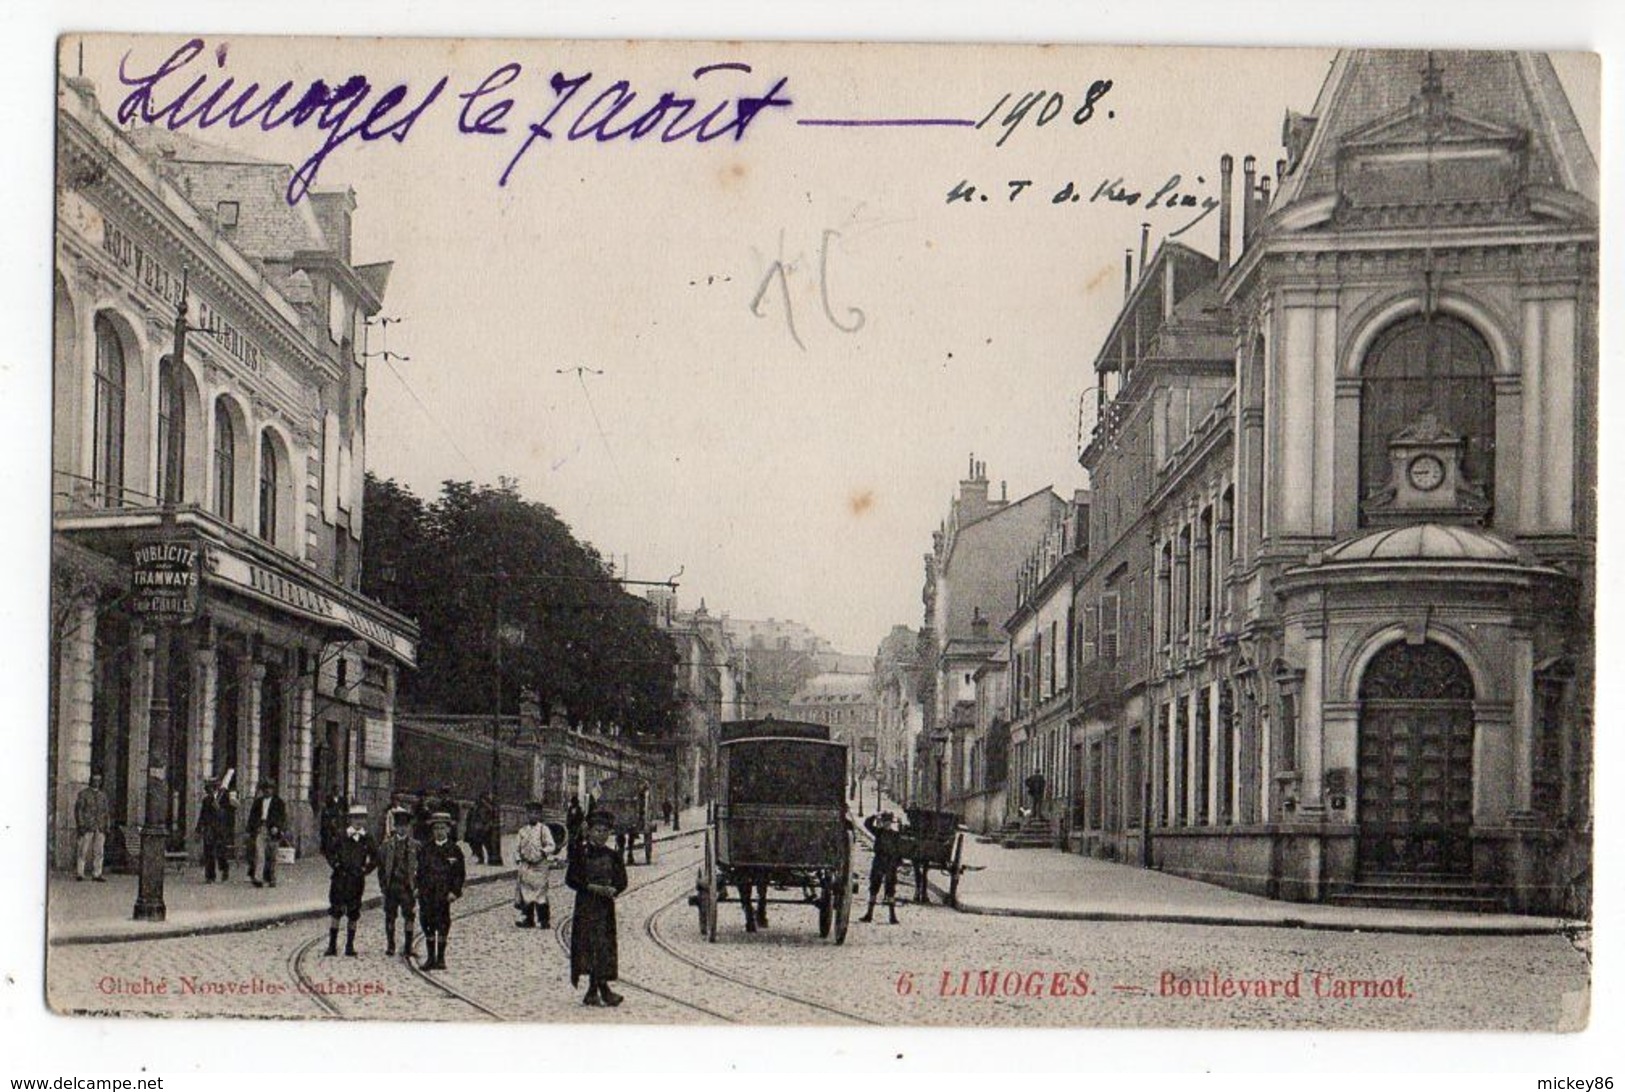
[{"x": 1417, "y": 891}]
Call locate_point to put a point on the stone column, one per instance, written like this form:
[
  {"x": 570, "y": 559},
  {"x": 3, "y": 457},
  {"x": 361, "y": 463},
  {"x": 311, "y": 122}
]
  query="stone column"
[
  {"x": 200, "y": 736},
  {"x": 296, "y": 760},
  {"x": 75, "y": 712},
  {"x": 1520, "y": 803},
  {"x": 248, "y": 736}
]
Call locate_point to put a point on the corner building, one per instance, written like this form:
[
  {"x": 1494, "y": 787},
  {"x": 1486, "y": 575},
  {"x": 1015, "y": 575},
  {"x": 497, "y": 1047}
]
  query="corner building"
[
  {"x": 1372, "y": 625},
  {"x": 285, "y": 670}
]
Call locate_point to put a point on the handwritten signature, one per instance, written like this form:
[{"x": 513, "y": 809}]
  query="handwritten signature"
[{"x": 1171, "y": 194}]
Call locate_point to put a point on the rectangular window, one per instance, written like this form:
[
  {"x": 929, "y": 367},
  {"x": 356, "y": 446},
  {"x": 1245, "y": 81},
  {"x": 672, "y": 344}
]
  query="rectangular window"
[
  {"x": 1133, "y": 776},
  {"x": 1110, "y": 619},
  {"x": 1202, "y": 758},
  {"x": 1182, "y": 762}
]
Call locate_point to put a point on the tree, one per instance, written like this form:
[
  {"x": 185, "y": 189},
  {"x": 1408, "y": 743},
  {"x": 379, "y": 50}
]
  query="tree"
[{"x": 504, "y": 593}]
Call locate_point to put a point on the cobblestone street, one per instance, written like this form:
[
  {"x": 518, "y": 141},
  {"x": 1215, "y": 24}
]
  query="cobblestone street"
[{"x": 937, "y": 967}]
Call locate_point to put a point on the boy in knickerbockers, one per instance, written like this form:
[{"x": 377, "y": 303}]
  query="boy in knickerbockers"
[
  {"x": 441, "y": 870},
  {"x": 398, "y": 877},
  {"x": 352, "y": 856}
]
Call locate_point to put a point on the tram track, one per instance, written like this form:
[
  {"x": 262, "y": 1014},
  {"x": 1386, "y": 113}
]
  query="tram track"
[
  {"x": 321, "y": 998},
  {"x": 651, "y": 928}
]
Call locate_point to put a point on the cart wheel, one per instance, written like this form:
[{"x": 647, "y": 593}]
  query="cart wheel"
[
  {"x": 708, "y": 899},
  {"x": 954, "y": 870},
  {"x": 648, "y": 845},
  {"x": 826, "y": 905},
  {"x": 843, "y": 904}
]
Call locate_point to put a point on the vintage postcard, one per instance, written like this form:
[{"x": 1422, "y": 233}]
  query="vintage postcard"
[{"x": 775, "y": 534}]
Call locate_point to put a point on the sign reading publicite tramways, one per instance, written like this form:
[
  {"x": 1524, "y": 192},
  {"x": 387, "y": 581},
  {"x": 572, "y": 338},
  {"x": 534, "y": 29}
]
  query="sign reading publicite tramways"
[{"x": 164, "y": 582}]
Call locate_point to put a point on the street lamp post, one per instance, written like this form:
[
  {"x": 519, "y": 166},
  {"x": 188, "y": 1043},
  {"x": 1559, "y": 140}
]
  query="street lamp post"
[{"x": 149, "y": 897}]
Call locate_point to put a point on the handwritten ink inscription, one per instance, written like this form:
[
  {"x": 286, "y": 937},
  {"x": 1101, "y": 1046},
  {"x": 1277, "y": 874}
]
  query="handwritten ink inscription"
[
  {"x": 1172, "y": 194},
  {"x": 1043, "y": 107},
  {"x": 182, "y": 92}
]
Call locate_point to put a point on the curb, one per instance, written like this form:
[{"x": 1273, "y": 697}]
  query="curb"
[
  {"x": 1443, "y": 929},
  {"x": 1412, "y": 928},
  {"x": 273, "y": 919}
]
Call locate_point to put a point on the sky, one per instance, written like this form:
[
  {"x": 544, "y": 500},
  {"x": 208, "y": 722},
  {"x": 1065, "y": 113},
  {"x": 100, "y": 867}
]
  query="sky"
[{"x": 761, "y": 362}]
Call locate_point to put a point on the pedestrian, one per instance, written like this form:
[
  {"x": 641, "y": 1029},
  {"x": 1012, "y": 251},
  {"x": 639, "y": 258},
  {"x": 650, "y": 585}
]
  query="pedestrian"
[
  {"x": 665, "y": 812},
  {"x": 420, "y": 816},
  {"x": 574, "y": 820},
  {"x": 887, "y": 833},
  {"x": 597, "y": 876},
  {"x": 535, "y": 848},
  {"x": 267, "y": 817},
  {"x": 353, "y": 856},
  {"x": 90, "y": 818},
  {"x": 215, "y": 823},
  {"x": 332, "y": 821},
  {"x": 1035, "y": 788},
  {"x": 479, "y": 827},
  {"x": 441, "y": 871},
  {"x": 447, "y": 803},
  {"x": 398, "y": 878}
]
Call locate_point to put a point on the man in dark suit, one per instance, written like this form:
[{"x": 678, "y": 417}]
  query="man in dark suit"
[
  {"x": 267, "y": 818},
  {"x": 215, "y": 822}
]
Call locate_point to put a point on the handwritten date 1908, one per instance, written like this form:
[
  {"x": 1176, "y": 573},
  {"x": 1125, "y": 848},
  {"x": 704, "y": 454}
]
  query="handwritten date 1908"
[{"x": 1044, "y": 107}]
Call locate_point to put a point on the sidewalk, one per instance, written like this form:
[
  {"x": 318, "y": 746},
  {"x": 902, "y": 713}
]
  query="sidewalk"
[
  {"x": 88, "y": 913},
  {"x": 1043, "y": 883}
]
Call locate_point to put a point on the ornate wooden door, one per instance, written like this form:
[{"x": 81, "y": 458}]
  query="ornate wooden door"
[{"x": 1416, "y": 762}]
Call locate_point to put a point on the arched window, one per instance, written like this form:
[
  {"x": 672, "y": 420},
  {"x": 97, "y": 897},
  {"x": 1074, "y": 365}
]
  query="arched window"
[
  {"x": 165, "y": 407},
  {"x": 267, "y": 488},
  {"x": 108, "y": 456},
  {"x": 225, "y": 462},
  {"x": 1437, "y": 365}
]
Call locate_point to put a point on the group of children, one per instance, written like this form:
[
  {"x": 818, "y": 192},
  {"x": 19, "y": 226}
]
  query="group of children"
[{"x": 422, "y": 878}]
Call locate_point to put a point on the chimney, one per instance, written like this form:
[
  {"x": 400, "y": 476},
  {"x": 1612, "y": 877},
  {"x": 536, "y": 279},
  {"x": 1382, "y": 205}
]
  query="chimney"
[
  {"x": 1280, "y": 170},
  {"x": 1004, "y": 492},
  {"x": 978, "y": 624},
  {"x": 1227, "y": 166},
  {"x": 1128, "y": 274},
  {"x": 1249, "y": 172},
  {"x": 973, "y": 494},
  {"x": 1263, "y": 198},
  {"x": 1145, "y": 242},
  {"x": 1168, "y": 288}
]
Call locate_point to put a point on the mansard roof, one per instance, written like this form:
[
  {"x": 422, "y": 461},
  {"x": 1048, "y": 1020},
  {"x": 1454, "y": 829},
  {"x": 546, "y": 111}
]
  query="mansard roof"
[{"x": 1373, "y": 96}]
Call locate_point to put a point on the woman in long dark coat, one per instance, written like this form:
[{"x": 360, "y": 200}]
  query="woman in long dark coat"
[{"x": 597, "y": 876}]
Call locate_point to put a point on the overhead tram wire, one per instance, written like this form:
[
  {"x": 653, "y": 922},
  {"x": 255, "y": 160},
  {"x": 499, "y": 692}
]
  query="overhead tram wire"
[{"x": 388, "y": 359}]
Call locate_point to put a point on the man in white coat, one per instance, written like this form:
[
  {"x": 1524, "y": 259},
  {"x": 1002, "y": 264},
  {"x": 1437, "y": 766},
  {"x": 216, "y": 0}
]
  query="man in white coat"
[{"x": 536, "y": 850}]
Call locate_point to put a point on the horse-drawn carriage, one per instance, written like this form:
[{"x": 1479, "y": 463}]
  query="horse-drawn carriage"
[
  {"x": 933, "y": 840},
  {"x": 778, "y": 831},
  {"x": 627, "y": 799}
]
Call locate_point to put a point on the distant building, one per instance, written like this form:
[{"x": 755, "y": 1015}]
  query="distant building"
[
  {"x": 282, "y": 668},
  {"x": 776, "y": 657},
  {"x": 968, "y": 589},
  {"x": 899, "y": 714},
  {"x": 710, "y": 691}
]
